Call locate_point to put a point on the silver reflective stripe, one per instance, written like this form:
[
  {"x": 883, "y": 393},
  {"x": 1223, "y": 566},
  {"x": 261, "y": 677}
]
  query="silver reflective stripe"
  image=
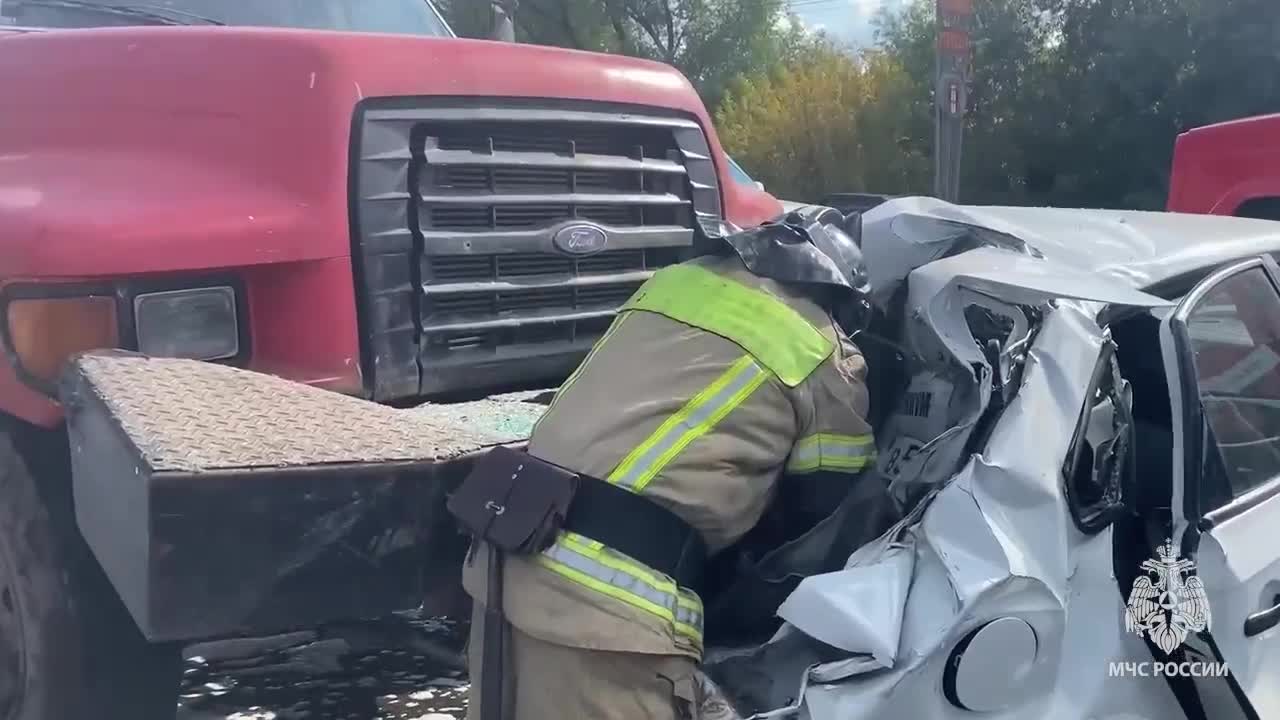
[
  {"x": 627, "y": 583},
  {"x": 847, "y": 452},
  {"x": 692, "y": 420},
  {"x": 687, "y": 616}
]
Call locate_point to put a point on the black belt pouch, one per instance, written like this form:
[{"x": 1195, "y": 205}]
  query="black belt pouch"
[{"x": 514, "y": 501}]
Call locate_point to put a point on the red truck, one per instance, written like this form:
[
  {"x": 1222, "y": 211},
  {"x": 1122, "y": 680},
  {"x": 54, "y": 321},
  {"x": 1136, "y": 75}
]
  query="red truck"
[
  {"x": 339, "y": 193},
  {"x": 1228, "y": 169}
]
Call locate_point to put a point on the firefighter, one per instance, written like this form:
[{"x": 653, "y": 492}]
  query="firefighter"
[{"x": 721, "y": 378}]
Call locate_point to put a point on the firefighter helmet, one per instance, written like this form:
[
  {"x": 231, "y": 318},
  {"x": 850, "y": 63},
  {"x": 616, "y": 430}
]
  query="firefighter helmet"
[{"x": 812, "y": 245}]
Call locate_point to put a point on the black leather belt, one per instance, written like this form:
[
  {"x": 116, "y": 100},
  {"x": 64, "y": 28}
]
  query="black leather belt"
[{"x": 639, "y": 528}]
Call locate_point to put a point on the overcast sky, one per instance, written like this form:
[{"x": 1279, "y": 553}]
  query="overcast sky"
[{"x": 848, "y": 20}]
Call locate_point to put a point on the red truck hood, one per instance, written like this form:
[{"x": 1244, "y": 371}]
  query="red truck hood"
[
  {"x": 1217, "y": 168},
  {"x": 153, "y": 149}
]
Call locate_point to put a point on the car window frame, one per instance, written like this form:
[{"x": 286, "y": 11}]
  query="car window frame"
[
  {"x": 1201, "y": 458},
  {"x": 1116, "y": 492}
]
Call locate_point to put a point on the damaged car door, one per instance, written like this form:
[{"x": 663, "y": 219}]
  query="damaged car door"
[{"x": 1221, "y": 588}]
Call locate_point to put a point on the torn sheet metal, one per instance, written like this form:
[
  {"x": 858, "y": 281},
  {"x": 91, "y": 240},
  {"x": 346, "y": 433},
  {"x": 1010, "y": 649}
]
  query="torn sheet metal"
[
  {"x": 952, "y": 376},
  {"x": 868, "y": 599},
  {"x": 903, "y": 235},
  {"x": 949, "y": 391},
  {"x": 1024, "y": 280},
  {"x": 1135, "y": 249},
  {"x": 907, "y": 233},
  {"x": 997, "y": 542}
]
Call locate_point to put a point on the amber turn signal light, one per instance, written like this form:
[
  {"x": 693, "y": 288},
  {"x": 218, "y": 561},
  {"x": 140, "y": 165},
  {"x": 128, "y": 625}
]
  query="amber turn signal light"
[{"x": 45, "y": 332}]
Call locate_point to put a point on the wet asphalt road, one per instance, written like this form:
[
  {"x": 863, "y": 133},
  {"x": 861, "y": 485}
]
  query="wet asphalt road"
[{"x": 407, "y": 668}]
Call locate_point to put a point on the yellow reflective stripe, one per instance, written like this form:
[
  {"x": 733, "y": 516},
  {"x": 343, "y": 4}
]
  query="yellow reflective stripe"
[
  {"x": 830, "y": 451},
  {"x": 643, "y": 573},
  {"x": 613, "y": 327},
  {"x": 692, "y": 421},
  {"x": 615, "y": 576},
  {"x": 777, "y": 336}
]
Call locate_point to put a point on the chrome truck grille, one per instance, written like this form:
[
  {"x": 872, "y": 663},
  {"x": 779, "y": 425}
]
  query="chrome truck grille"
[{"x": 460, "y": 215}]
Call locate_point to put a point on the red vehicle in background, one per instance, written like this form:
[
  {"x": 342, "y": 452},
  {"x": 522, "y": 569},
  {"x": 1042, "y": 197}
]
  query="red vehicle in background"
[
  {"x": 1230, "y": 168},
  {"x": 338, "y": 192}
]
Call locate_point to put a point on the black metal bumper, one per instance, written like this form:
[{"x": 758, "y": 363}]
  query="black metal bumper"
[{"x": 221, "y": 501}]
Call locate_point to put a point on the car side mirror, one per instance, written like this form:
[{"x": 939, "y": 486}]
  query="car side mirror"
[{"x": 759, "y": 186}]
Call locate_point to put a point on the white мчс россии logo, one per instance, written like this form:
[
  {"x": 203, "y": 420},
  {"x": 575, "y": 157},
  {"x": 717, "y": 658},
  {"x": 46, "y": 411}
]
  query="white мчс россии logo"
[{"x": 1165, "y": 604}]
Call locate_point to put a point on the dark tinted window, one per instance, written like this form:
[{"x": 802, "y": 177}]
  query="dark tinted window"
[{"x": 413, "y": 17}]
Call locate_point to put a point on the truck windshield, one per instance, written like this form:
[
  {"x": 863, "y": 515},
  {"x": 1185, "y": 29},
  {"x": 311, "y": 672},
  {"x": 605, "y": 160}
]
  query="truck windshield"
[
  {"x": 411, "y": 17},
  {"x": 738, "y": 173}
]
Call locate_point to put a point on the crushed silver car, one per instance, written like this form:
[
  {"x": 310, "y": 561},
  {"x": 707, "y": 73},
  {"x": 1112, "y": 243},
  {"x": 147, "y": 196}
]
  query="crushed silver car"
[{"x": 1086, "y": 443}]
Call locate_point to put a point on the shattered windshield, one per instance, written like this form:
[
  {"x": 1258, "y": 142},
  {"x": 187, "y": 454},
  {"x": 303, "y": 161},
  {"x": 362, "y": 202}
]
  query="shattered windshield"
[{"x": 411, "y": 17}]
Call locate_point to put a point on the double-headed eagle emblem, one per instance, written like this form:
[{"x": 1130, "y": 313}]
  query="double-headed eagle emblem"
[{"x": 1165, "y": 604}]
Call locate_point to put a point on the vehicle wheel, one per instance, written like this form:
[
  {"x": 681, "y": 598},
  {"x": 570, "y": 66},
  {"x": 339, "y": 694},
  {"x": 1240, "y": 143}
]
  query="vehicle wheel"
[{"x": 68, "y": 648}]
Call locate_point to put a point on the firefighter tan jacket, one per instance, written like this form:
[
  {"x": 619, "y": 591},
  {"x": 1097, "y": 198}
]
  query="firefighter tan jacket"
[{"x": 710, "y": 384}]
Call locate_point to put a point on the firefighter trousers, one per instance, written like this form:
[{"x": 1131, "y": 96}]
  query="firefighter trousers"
[{"x": 545, "y": 681}]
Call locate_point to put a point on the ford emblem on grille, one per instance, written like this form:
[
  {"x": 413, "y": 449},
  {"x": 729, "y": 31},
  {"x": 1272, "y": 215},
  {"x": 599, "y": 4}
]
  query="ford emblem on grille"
[{"x": 580, "y": 239}]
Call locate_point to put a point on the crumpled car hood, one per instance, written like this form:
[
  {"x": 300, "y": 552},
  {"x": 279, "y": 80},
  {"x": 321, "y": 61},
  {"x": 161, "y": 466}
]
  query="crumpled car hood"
[
  {"x": 908, "y": 233},
  {"x": 1134, "y": 249}
]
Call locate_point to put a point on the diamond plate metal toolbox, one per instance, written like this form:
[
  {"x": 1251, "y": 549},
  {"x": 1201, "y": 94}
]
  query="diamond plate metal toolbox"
[{"x": 221, "y": 500}]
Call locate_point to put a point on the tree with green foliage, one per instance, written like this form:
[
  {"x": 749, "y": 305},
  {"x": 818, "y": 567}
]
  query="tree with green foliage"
[
  {"x": 1010, "y": 115},
  {"x": 710, "y": 41},
  {"x": 1072, "y": 102},
  {"x": 1078, "y": 102},
  {"x": 1139, "y": 72},
  {"x": 878, "y": 136},
  {"x": 822, "y": 122}
]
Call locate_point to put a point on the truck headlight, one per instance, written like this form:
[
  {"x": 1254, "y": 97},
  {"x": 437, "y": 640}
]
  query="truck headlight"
[
  {"x": 45, "y": 331},
  {"x": 199, "y": 324}
]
